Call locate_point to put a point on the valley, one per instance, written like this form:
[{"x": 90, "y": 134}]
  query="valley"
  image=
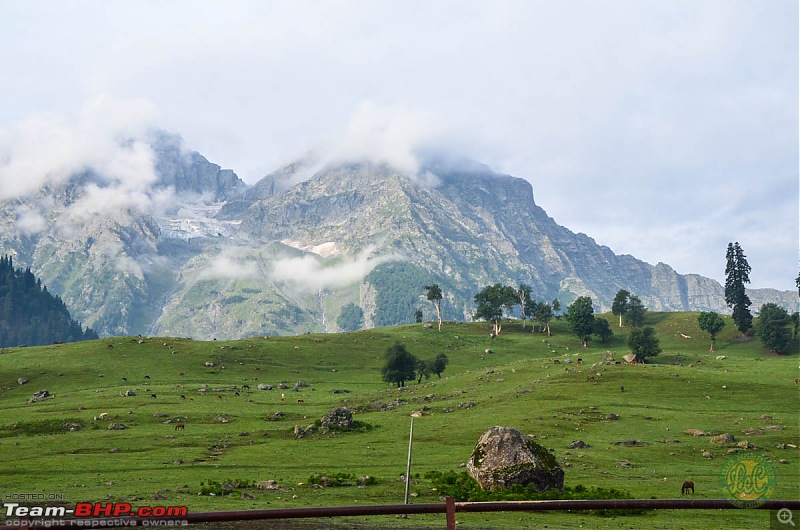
[{"x": 238, "y": 434}]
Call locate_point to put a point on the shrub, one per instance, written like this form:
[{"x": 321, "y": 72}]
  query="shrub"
[{"x": 463, "y": 488}]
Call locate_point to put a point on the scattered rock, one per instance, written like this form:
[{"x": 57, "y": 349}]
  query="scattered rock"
[
  {"x": 744, "y": 444},
  {"x": 116, "y": 427},
  {"x": 248, "y": 497},
  {"x": 22, "y": 381},
  {"x": 579, "y": 444},
  {"x": 752, "y": 432},
  {"x": 262, "y": 386},
  {"x": 72, "y": 427},
  {"x": 783, "y": 461},
  {"x": 466, "y": 405},
  {"x": 721, "y": 357},
  {"x": 773, "y": 428},
  {"x": 630, "y": 443},
  {"x": 338, "y": 417},
  {"x": 504, "y": 457},
  {"x": 629, "y": 358},
  {"x": 725, "y": 438},
  {"x": 612, "y": 417},
  {"x": 267, "y": 485},
  {"x": 696, "y": 432},
  {"x": 41, "y": 395},
  {"x": 624, "y": 463},
  {"x": 706, "y": 454}
]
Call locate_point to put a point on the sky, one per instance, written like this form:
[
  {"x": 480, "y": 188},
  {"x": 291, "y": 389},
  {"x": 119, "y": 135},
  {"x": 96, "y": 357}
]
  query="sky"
[{"x": 664, "y": 130}]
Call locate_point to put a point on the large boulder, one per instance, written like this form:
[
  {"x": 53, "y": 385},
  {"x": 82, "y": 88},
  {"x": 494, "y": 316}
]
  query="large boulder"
[
  {"x": 505, "y": 457},
  {"x": 338, "y": 417}
]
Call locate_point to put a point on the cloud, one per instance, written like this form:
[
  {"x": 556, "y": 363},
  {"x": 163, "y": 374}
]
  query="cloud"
[
  {"x": 30, "y": 222},
  {"x": 230, "y": 264},
  {"x": 105, "y": 138},
  {"x": 310, "y": 273},
  {"x": 392, "y": 135}
]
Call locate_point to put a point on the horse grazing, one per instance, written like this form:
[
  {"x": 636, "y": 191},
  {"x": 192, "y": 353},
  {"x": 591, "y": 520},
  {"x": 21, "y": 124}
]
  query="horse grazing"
[
  {"x": 687, "y": 486},
  {"x": 180, "y": 426}
]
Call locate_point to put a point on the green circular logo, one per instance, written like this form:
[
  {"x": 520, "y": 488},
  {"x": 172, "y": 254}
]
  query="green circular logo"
[{"x": 747, "y": 479}]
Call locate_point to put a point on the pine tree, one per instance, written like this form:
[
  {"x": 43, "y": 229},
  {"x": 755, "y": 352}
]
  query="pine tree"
[
  {"x": 29, "y": 314},
  {"x": 737, "y": 273}
]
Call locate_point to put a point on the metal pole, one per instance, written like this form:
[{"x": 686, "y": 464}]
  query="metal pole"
[{"x": 408, "y": 464}]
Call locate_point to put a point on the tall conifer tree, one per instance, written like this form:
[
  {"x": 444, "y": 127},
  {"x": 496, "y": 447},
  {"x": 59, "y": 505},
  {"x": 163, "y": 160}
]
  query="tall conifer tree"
[{"x": 737, "y": 273}]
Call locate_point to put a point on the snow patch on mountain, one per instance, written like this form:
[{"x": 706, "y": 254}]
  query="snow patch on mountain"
[{"x": 196, "y": 220}]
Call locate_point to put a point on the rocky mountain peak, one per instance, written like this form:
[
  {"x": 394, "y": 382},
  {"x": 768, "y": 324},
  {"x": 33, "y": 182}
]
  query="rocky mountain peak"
[{"x": 288, "y": 253}]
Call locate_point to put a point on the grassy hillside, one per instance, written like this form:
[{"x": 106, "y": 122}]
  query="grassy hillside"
[{"x": 237, "y": 435}]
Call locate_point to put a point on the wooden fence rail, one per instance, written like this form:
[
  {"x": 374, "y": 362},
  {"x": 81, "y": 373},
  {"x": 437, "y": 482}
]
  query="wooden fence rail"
[{"x": 449, "y": 507}]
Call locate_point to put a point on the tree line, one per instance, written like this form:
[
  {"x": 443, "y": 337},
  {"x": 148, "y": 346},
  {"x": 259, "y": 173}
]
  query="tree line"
[
  {"x": 30, "y": 315},
  {"x": 496, "y": 302}
]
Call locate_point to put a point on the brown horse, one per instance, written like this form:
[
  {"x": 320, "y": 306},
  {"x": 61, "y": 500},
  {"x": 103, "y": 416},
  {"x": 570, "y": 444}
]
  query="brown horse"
[
  {"x": 180, "y": 426},
  {"x": 687, "y": 486}
]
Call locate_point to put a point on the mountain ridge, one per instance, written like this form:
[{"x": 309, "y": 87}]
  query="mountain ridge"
[{"x": 215, "y": 258}]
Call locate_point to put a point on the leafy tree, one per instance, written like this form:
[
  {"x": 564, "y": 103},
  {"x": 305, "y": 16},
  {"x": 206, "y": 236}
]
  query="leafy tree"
[
  {"x": 797, "y": 283},
  {"x": 543, "y": 314},
  {"x": 439, "y": 364},
  {"x": 580, "y": 316},
  {"x": 635, "y": 313},
  {"x": 620, "y": 304},
  {"x": 644, "y": 343},
  {"x": 602, "y": 329},
  {"x": 351, "y": 318},
  {"x": 400, "y": 365},
  {"x": 556, "y": 307},
  {"x": 418, "y": 315},
  {"x": 434, "y": 295},
  {"x": 525, "y": 303},
  {"x": 795, "y": 318},
  {"x": 772, "y": 327},
  {"x": 493, "y": 301},
  {"x": 737, "y": 273},
  {"x": 424, "y": 369},
  {"x": 712, "y": 323}
]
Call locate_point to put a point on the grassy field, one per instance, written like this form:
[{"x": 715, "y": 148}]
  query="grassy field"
[{"x": 238, "y": 436}]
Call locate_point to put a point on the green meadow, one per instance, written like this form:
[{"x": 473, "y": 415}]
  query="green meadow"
[{"x": 236, "y": 437}]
